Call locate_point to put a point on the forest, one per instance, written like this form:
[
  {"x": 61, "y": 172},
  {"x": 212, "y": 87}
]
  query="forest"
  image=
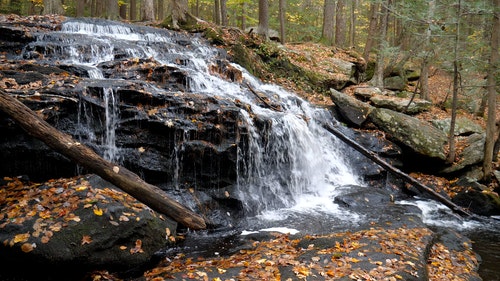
[{"x": 459, "y": 37}]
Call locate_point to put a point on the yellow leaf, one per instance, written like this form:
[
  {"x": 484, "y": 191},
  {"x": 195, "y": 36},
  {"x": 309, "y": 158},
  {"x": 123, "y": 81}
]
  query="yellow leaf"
[
  {"x": 98, "y": 211},
  {"x": 81, "y": 188},
  {"x": 23, "y": 237},
  {"x": 123, "y": 248}
]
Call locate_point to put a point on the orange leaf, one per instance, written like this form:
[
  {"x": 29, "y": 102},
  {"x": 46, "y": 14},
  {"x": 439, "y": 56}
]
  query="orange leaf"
[
  {"x": 27, "y": 247},
  {"x": 86, "y": 239},
  {"x": 23, "y": 237}
]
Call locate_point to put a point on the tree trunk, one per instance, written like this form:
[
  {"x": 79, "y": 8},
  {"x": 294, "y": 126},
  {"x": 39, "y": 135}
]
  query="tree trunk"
[
  {"x": 80, "y": 8},
  {"x": 340, "y": 24},
  {"x": 492, "y": 73},
  {"x": 454, "y": 101},
  {"x": 263, "y": 29},
  {"x": 328, "y": 22},
  {"x": 372, "y": 29},
  {"x": 282, "y": 16},
  {"x": 243, "y": 15},
  {"x": 160, "y": 10},
  {"x": 133, "y": 10},
  {"x": 424, "y": 76},
  {"x": 223, "y": 12},
  {"x": 179, "y": 11},
  {"x": 112, "y": 12},
  {"x": 52, "y": 7},
  {"x": 217, "y": 12},
  {"x": 352, "y": 23},
  {"x": 378, "y": 75},
  {"x": 148, "y": 10},
  {"x": 129, "y": 182}
]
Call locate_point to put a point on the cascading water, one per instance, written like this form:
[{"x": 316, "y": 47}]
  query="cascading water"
[{"x": 290, "y": 159}]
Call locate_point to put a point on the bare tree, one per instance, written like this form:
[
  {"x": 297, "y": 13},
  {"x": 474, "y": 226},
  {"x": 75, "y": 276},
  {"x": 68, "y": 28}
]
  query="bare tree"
[
  {"x": 492, "y": 73},
  {"x": 223, "y": 12},
  {"x": 454, "y": 101},
  {"x": 424, "y": 75},
  {"x": 372, "y": 29},
  {"x": 52, "y": 7},
  {"x": 133, "y": 10},
  {"x": 352, "y": 23},
  {"x": 340, "y": 24},
  {"x": 378, "y": 76},
  {"x": 111, "y": 10},
  {"x": 179, "y": 11},
  {"x": 282, "y": 16},
  {"x": 147, "y": 10},
  {"x": 328, "y": 22},
  {"x": 217, "y": 15},
  {"x": 263, "y": 28}
]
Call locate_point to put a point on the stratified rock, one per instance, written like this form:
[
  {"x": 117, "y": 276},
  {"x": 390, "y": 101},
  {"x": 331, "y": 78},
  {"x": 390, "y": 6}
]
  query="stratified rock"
[
  {"x": 401, "y": 104},
  {"x": 355, "y": 112},
  {"x": 419, "y": 136},
  {"x": 463, "y": 126}
]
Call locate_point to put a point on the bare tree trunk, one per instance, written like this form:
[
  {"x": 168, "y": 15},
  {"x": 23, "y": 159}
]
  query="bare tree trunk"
[
  {"x": 133, "y": 10},
  {"x": 378, "y": 76},
  {"x": 454, "y": 101},
  {"x": 160, "y": 10},
  {"x": 352, "y": 23},
  {"x": 282, "y": 16},
  {"x": 223, "y": 12},
  {"x": 263, "y": 29},
  {"x": 243, "y": 15},
  {"x": 112, "y": 12},
  {"x": 217, "y": 12},
  {"x": 372, "y": 30},
  {"x": 53, "y": 7},
  {"x": 147, "y": 10},
  {"x": 179, "y": 11},
  {"x": 492, "y": 73},
  {"x": 340, "y": 24},
  {"x": 129, "y": 182},
  {"x": 80, "y": 8},
  {"x": 424, "y": 75},
  {"x": 328, "y": 22}
]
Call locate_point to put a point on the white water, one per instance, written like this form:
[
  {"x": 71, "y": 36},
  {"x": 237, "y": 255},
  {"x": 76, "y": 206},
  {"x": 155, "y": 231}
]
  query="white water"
[{"x": 294, "y": 165}]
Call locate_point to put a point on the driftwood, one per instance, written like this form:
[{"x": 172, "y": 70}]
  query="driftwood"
[
  {"x": 371, "y": 155},
  {"x": 126, "y": 180}
]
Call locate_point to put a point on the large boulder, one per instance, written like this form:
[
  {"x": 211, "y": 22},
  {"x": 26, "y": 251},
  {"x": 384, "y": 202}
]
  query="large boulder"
[
  {"x": 76, "y": 225},
  {"x": 352, "y": 110},
  {"x": 406, "y": 105},
  {"x": 419, "y": 136}
]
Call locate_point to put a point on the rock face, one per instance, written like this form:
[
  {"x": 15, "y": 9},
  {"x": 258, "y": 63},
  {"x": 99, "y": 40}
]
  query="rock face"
[{"x": 421, "y": 137}]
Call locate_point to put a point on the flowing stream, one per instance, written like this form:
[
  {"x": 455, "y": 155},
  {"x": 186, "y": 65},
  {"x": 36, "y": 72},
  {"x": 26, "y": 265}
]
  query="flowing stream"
[{"x": 288, "y": 177}]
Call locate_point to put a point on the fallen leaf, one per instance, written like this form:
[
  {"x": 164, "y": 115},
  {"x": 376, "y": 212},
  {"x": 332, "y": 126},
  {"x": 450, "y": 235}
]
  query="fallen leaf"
[
  {"x": 86, "y": 239},
  {"x": 98, "y": 211},
  {"x": 23, "y": 237},
  {"x": 116, "y": 169},
  {"x": 27, "y": 247}
]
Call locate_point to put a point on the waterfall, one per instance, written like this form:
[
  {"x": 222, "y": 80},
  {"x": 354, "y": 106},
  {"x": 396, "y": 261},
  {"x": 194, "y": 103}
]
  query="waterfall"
[{"x": 289, "y": 160}]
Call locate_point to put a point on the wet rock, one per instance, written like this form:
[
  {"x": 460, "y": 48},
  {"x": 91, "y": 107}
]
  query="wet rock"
[
  {"x": 477, "y": 198},
  {"x": 77, "y": 225}
]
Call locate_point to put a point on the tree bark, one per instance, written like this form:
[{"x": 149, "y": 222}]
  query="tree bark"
[
  {"x": 340, "y": 24},
  {"x": 328, "y": 22},
  {"x": 263, "y": 29},
  {"x": 282, "y": 17},
  {"x": 371, "y": 31},
  {"x": 371, "y": 155},
  {"x": 53, "y": 7},
  {"x": 129, "y": 182},
  {"x": 378, "y": 75},
  {"x": 147, "y": 10},
  {"x": 492, "y": 73}
]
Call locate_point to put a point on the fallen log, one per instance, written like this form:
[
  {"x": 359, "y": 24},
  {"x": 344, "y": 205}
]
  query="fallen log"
[
  {"x": 395, "y": 171},
  {"x": 126, "y": 180}
]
